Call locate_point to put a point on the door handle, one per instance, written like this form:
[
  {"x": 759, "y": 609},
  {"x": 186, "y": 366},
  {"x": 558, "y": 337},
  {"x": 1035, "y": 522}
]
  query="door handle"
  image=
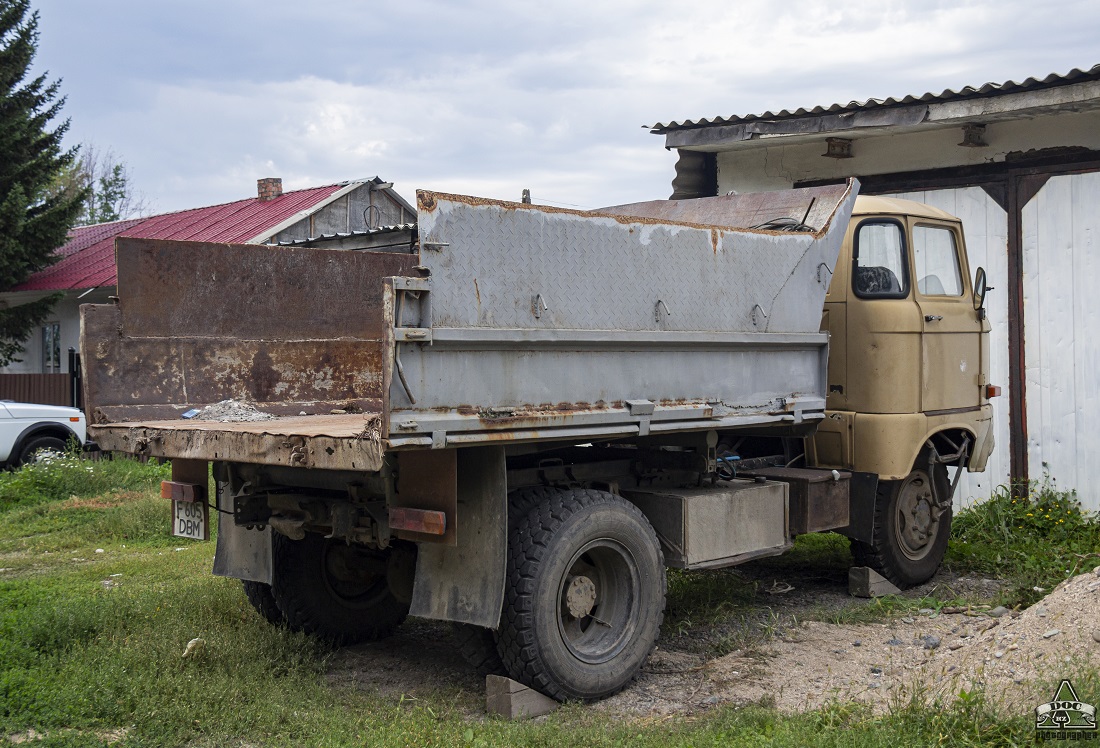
[{"x": 932, "y": 317}]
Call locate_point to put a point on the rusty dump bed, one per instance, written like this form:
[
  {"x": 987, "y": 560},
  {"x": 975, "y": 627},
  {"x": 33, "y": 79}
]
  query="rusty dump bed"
[{"x": 496, "y": 321}]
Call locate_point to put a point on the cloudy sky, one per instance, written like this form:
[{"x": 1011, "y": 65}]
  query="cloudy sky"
[{"x": 488, "y": 97}]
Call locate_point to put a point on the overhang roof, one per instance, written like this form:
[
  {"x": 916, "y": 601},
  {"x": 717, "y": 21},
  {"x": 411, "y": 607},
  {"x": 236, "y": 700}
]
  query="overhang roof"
[
  {"x": 872, "y": 105},
  {"x": 88, "y": 258}
]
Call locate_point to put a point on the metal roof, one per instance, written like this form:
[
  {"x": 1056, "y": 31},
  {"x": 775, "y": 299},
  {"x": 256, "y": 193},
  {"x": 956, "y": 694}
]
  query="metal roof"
[
  {"x": 88, "y": 258},
  {"x": 989, "y": 89},
  {"x": 403, "y": 227}
]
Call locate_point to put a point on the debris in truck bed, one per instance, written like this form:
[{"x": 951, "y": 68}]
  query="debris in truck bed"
[{"x": 232, "y": 410}]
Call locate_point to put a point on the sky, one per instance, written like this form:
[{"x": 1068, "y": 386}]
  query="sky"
[{"x": 200, "y": 98}]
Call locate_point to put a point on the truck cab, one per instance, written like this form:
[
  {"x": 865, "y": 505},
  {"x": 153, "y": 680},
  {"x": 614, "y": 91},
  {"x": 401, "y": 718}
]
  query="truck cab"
[{"x": 908, "y": 376}]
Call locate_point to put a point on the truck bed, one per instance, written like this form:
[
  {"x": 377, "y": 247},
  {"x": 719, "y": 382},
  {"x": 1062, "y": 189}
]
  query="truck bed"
[{"x": 495, "y": 322}]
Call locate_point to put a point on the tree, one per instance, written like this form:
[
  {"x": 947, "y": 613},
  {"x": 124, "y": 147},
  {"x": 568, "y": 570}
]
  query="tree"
[
  {"x": 105, "y": 182},
  {"x": 34, "y": 219}
]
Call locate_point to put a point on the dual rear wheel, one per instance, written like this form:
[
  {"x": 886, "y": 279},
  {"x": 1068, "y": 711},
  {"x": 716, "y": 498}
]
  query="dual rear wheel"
[{"x": 583, "y": 604}]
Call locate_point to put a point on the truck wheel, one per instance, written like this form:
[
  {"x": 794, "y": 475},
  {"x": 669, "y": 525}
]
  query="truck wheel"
[
  {"x": 263, "y": 600},
  {"x": 335, "y": 591},
  {"x": 37, "y": 447},
  {"x": 911, "y": 528},
  {"x": 584, "y": 597},
  {"x": 478, "y": 645}
]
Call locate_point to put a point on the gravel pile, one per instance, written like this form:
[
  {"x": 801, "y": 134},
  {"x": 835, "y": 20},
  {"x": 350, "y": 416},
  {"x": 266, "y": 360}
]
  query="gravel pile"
[
  {"x": 1010, "y": 655},
  {"x": 232, "y": 410}
]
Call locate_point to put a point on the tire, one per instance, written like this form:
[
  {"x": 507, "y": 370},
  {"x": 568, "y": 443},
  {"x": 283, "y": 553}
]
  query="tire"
[
  {"x": 523, "y": 500},
  {"x": 584, "y": 598},
  {"x": 911, "y": 532},
  {"x": 478, "y": 645},
  {"x": 31, "y": 451},
  {"x": 335, "y": 591},
  {"x": 262, "y": 599}
]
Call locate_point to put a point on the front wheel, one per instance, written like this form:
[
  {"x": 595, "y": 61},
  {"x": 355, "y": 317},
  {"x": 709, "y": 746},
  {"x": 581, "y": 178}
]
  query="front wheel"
[
  {"x": 41, "y": 448},
  {"x": 912, "y": 526},
  {"x": 584, "y": 598}
]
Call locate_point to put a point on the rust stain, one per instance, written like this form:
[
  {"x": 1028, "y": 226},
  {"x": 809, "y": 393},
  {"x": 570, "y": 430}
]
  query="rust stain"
[
  {"x": 429, "y": 200},
  {"x": 425, "y": 200},
  {"x": 714, "y": 240},
  {"x": 477, "y": 292}
]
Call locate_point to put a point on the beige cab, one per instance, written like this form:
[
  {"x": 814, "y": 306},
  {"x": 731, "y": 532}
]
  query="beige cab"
[
  {"x": 908, "y": 379},
  {"x": 909, "y": 352}
]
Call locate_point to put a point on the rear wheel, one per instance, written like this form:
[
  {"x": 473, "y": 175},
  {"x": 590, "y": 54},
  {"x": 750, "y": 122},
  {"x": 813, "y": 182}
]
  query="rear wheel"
[
  {"x": 339, "y": 592},
  {"x": 263, "y": 600},
  {"x": 912, "y": 526},
  {"x": 584, "y": 598}
]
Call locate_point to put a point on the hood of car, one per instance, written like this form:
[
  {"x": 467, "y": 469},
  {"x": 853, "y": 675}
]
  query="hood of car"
[{"x": 34, "y": 410}]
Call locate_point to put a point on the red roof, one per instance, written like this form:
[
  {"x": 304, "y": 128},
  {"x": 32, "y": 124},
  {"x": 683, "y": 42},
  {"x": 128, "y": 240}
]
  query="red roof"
[{"x": 88, "y": 259}]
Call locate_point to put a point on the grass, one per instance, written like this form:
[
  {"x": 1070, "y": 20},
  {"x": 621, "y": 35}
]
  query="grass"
[
  {"x": 1033, "y": 542},
  {"x": 91, "y": 644}
]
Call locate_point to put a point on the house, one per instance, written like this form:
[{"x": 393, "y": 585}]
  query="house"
[
  {"x": 86, "y": 271},
  {"x": 1020, "y": 164}
]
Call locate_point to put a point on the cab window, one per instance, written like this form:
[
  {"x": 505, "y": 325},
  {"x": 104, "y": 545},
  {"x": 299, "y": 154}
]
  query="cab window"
[
  {"x": 936, "y": 261},
  {"x": 878, "y": 270}
]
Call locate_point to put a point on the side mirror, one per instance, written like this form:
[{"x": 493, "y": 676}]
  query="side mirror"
[{"x": 980, "y": 289}]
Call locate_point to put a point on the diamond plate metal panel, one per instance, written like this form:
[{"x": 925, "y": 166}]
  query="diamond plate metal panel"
[{"x": 509, "y": 265}]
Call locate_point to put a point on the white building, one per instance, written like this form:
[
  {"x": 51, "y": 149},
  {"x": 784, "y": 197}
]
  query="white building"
[{"x": 1020, "y": 164}]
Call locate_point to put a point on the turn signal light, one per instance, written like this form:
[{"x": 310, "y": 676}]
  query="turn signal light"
[{"x": 992, "y": 390}]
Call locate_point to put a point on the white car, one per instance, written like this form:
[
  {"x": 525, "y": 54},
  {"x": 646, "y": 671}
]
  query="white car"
[{"x": 27, "y": 429}]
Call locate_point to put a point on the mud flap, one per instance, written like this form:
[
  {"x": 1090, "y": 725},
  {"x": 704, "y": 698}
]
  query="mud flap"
[
  {"x": 241, "y": 553},
  {"x": 863, "y": 493},
  {"x": 465, "y": 582}
]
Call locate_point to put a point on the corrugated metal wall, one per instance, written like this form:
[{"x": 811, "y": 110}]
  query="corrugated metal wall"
[
  {"x": 985, "y": 226},
  {"x": 47, "y": 389},
  {"x": 1062, "y": 333}
]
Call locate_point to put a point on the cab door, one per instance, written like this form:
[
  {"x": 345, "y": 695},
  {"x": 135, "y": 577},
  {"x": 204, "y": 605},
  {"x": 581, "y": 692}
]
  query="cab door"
[
  {"x": 951, "y": 364},
  {"x": 883, "y": 321}
]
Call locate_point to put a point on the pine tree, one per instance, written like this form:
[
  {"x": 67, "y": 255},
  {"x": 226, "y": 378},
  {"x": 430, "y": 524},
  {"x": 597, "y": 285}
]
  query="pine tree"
[{"x": 34, "y": 219}]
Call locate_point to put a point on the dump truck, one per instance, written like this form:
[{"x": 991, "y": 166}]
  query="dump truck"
[{"x": 513, "y": 417}]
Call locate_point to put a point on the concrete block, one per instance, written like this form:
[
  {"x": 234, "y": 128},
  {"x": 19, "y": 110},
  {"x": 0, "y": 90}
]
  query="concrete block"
[
  {"x": 513, "y": 700},
  {"x": 864, "y": 581}
]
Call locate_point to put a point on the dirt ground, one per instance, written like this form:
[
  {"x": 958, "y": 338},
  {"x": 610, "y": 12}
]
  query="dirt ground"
[{"x": 800, "y": 664}]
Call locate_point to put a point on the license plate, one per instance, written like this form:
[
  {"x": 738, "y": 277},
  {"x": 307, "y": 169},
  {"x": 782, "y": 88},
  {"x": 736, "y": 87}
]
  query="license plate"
[{"x": 190, "y": 519}]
